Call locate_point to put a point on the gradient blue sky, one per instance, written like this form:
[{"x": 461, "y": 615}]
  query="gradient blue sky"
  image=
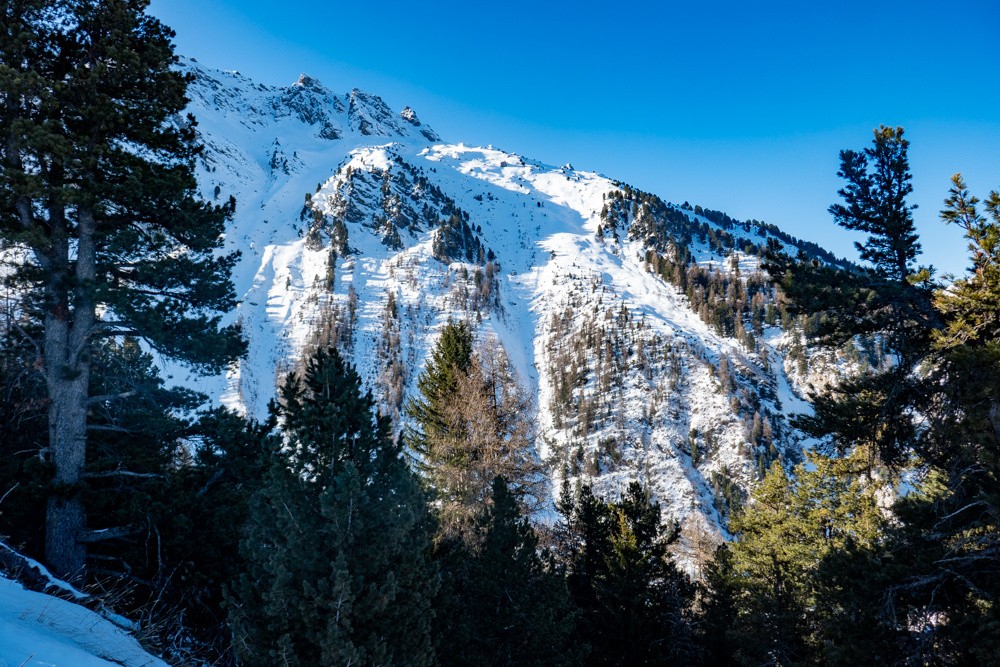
[{"x": 738, "y": 106}]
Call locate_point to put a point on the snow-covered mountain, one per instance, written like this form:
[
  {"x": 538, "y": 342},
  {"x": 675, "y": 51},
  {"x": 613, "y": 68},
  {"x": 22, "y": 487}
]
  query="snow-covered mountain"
[{"x": 363, "y": 226}]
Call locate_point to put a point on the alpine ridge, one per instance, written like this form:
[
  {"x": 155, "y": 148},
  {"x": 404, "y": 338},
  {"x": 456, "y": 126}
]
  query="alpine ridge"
[{"x": 655, "y": 346}]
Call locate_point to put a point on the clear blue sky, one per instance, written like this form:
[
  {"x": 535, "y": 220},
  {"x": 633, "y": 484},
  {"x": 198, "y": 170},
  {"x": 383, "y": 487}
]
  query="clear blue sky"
[{"x": 739, "y": 106}]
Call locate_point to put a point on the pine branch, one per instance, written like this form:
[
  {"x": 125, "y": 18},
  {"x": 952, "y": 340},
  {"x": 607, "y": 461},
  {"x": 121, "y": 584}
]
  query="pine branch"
[
  {"x": 107, "y": 428},
  {"x": 104, "y": 534},
  {"x": 102, "y": 398},
  {"x": 120, "y": 473},
  {"x": 209, "y": 484}
]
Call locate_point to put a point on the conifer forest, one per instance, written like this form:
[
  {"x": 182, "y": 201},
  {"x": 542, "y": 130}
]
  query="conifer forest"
[{"x": 423, "y": 428}]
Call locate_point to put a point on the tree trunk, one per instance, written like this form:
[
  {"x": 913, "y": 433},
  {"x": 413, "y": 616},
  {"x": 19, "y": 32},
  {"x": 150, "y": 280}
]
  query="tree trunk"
[
  {"x": 995, "y": 417},
  {"x": 68, "y": 326}
]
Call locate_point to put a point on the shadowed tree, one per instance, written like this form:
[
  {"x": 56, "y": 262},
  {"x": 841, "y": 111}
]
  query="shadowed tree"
[
  {"x": 503, "y": 601},
  {"x": 634, "y": 603},
  {"x": 338, "y": 541},
  {"x": 98, "y": 191}
]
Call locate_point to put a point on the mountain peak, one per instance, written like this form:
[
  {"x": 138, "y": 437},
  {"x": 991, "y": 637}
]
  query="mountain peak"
[
  {"x": 410, "y": 116},
  {"x": 369, "y": 114},
  {"x": 306, "y": 81},
  {"x": 652, "y": 342}
]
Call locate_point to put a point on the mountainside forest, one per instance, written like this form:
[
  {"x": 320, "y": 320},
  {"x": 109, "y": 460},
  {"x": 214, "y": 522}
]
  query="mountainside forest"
[{"x": 290, "y": 379}]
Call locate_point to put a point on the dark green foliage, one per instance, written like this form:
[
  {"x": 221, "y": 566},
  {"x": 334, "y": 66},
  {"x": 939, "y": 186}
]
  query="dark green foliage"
[
  {"x": 24, "y": 476},
  {"x": 438, "y": 386},
  {"x": 874, "y": 202},
  {"x": 634, "y": 603},
  {"x": 717, "y": 609},
  {"x": 950, "y": 533},
  {"x": 889, "y": 301},
  {"x": 198, "y": 526},
  {"x": 502, "y": 602},
  {"x": 891, "y": 297},
  {"x": 172, "y": 492},
  {"x": 338, "y": 569},
  {"x": 472, "y": 423},
  {"x": 82, "y": 109},
  {"x": 98, "y": 189},
  {"x": 926, "y": 592}
]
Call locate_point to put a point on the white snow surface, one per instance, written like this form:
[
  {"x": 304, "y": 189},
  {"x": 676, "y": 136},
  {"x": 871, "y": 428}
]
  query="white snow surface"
[
  {"x": 290, "y": 154},
  {"x": 38, "y": 630}
]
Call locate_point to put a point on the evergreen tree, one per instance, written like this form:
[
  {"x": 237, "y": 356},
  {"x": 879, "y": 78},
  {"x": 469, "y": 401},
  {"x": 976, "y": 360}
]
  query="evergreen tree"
[
  {"x": 766, "y": 583},
  {"x": 503, "y": 602},
  {"x": 716, "y": 607},
  {"x": 337, "y": 546},
  {"x": 171, "y": 493},
  {"x": 195, "y": 524},
  {"x": 438, "y": 387},
  {"x": 98, "y": 187},
  {"x": 935, "y": 585},
  {"x": 634, "y": 602},
  {"x": 890, "y": 301},
  {"x": 949, "y": 533},
  {"x": 471, "y": 423}
]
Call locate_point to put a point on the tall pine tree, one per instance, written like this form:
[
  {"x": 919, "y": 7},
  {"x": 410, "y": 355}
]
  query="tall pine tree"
[
  {"x": 949, "y": 533},
  {"x": 438, "y": 387},
  {"x": 934, "y": 404},
  {"x": 337, "y": 546},
  {"x": 890, "y": 300},
  {"x": 472, "y": 422},
  {"x": 634, "y": 602},
  {"x": 98, "y": 188}
]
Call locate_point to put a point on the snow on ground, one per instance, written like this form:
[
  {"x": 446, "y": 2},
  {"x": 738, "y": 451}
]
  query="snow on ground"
[{"x": 38, "y": 630}]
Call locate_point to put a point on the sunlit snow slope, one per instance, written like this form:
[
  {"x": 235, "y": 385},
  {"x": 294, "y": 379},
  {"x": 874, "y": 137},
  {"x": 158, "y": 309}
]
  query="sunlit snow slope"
[{"x": 361, "y": 226}]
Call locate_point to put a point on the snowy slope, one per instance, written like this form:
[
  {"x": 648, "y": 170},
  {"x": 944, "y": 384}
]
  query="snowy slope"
[
  {"x": 362, "y": 227},
  {"x": 39, "y": 630}
]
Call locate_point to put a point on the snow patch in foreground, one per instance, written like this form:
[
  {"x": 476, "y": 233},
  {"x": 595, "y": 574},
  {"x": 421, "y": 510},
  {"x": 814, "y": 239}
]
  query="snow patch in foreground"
[{"x": 38, "y": 630}]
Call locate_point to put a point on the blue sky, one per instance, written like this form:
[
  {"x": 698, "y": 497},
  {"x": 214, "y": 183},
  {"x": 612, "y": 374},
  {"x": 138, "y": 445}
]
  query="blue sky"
[{"x": 737, "y": 106}]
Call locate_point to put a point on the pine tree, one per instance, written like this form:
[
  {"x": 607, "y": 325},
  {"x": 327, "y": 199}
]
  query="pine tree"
[
  {"x": 173, "y": 515},
  {"x": 98, "y": 188},
  {"x": 503, "y": 602},
  {"x": 634, "y": 602},
  {"x": 472, "y": 423},
  {"x": 202, "y": 507},
  {"x": 337, "y": 547},
  {"x": 764, "y": 590},
  {"x": 438, "y": 386},
  {"x": 948, "y": 540},
  {"x": 934, "y": 401},
  {"x": 889, "y": 300}
]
